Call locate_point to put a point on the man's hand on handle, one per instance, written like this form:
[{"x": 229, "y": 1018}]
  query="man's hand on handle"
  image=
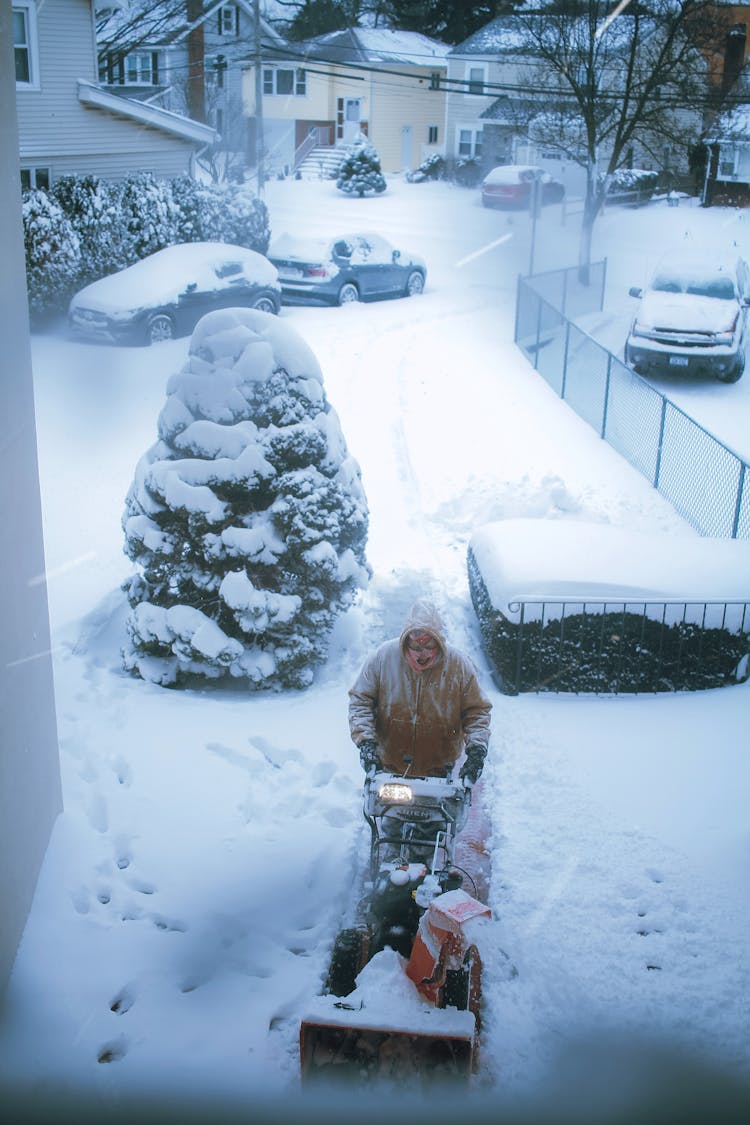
[
  {"x": 471, "y": 770},
  {"x": 369, "y": 756}
]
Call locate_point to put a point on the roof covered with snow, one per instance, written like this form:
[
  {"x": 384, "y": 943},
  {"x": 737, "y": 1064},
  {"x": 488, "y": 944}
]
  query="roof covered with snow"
[{"x": 377, "y": 45}]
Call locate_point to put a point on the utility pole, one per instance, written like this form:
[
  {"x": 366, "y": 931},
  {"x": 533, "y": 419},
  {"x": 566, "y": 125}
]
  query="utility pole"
[{"x": 258, "y": 102}]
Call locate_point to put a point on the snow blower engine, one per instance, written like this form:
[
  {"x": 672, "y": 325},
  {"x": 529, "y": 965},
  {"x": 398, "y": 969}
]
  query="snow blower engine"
[{"x": 403, "y": 991}]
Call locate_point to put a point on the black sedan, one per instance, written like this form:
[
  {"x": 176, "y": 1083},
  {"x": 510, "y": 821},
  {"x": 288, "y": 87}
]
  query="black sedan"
[
  {"x": 166, "y": 294},
  {"x": 352, "y": 267}
]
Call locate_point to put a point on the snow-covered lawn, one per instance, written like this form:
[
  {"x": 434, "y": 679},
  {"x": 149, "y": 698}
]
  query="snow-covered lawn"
[{"x": 211, "y": 839}]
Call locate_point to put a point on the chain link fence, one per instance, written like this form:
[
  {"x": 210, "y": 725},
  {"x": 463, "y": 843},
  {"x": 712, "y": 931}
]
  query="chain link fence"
[{"x": 704, "y": 480}]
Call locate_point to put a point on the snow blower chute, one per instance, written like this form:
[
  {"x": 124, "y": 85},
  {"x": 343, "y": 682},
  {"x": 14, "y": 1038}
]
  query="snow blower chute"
[{"x": 404, "y": 984}]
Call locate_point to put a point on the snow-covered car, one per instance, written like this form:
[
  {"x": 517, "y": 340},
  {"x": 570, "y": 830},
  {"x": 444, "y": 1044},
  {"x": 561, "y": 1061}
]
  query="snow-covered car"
[
  {"x": 351, "y": 267},
  {"x": 692, "y": 317},
  {"x": 166, "y": 294},
  {"x": 509, "y": 185}
]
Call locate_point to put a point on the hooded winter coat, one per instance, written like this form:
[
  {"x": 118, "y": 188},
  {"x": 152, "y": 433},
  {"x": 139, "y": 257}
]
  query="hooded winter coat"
[{"x": 430, "y": 715}]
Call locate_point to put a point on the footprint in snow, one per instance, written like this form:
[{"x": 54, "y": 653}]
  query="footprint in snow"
[
  {"x": 123, "y": 1002},
  {"x": 113, "y": 1051}
]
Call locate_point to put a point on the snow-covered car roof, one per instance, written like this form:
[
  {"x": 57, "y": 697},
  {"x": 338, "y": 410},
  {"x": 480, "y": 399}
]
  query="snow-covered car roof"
[
  {"x": 306, "y": 249},
  {"x": 571, "y": 560},
  {"x": 163, "y": 276},
  {"x": 512, "y": 173}
]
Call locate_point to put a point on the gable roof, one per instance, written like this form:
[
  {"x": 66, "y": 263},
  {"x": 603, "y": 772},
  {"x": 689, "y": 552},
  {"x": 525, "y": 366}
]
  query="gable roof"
[
  {"x": 164, "y": 24},
  {"x": 375, "y": 45}
]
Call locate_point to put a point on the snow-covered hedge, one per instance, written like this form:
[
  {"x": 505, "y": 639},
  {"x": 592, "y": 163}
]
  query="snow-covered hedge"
[
  {"x": 53, "y": 253},
  {"x": 432, "y": 168},
  {"x": 85, "y": 228},
  {"x": 247, "y": 518},
  {"x": 632, "y": 185},
  {"x": 566, "y": 606}
]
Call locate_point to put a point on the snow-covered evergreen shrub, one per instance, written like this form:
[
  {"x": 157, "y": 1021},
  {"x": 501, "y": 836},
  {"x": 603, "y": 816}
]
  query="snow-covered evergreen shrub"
[
  {"x": 632, "y": 185},
  {"x": 148, "y": 215},
  {"x": 53, "y": 253},
  {"x": 432, "y": 168},
  {"x": 220, "y": 213},
  {"x": 246, "y": 519},
  {"x": 359, "y": 171},
  {"x": 245, "y": 219},
  {"x": 93, "y": 207}
]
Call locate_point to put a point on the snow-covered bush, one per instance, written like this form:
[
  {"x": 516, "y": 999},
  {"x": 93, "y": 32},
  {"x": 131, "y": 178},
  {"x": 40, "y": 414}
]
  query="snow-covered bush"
[
  {"x": 246, "y": 519},
  {"x": 52, "y": 250},
  {"x": 632, "y": 185},
  {"x": 148, "y": 216},
  {"x": 245, "y": 219},
  {"x": 432, "y": 168},
  {"x": 220, "y": 213},
  {"x": 359, "y": 171},
  {"x": 93, "y": 207}
]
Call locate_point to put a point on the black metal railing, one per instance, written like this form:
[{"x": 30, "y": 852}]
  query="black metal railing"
[{"x": 612, "y": 646}]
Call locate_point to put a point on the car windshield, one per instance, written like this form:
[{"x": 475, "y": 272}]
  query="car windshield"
[{"x": 719, "y": 286}]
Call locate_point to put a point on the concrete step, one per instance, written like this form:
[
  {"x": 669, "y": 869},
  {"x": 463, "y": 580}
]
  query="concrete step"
[{"x": 321, "y": 163}]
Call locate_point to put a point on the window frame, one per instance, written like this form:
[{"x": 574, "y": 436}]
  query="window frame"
[
  {"x": 474, "y": 144},
  {"x": 31, "y": 46},
  {"x": 271, "y": 82},
  {"x": 33, "y": 172}
]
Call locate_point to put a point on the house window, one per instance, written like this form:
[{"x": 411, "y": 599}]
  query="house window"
[
  {"x": 35, "y": 178},
  {"x": 470, "y": 143},
  {"x": 229, "y": 20},
  {"x": 727, "y": 162},
  {"x": 432, "y": 134},
  {"x": 476, "y": 80},
  {"x": 280, "y": 80},
  {"x": 140, "y": 69},
  {"x": 25, "y": 44},
  {"x": 435, "y": 80}
]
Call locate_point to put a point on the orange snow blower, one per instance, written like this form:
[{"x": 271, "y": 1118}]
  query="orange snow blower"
[{"x": 403, "y": 992}]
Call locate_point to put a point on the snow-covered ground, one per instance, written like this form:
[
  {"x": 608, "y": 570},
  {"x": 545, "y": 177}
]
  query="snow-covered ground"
[{"x": 211, "y": 839}]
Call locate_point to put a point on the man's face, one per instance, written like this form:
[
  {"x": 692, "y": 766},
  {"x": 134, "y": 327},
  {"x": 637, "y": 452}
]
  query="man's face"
[{"x": 422, "y": 647}]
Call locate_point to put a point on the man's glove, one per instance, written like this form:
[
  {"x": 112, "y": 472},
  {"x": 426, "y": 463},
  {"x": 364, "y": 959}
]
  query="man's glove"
[
  {"x": 369, "y": 755},
  {"x": 471, "y": 770}
]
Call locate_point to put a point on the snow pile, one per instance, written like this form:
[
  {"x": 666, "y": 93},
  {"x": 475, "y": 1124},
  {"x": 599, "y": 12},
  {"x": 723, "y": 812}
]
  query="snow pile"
[{"x": 247, "y": 517}]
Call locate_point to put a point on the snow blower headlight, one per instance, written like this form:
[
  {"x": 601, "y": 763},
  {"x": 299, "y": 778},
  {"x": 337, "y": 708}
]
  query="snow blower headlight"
[{"x": 393, "y": 792}]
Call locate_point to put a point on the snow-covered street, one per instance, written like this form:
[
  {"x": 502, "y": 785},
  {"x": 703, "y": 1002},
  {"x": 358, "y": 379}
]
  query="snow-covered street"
[{"x": 196, "y": 880}]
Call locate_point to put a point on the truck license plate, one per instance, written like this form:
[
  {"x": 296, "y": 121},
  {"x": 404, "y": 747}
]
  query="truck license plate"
[{"x": 678, "y": 361}]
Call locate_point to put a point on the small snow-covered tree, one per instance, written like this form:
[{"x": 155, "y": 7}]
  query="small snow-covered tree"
[
  {"x": 53, "y": 253},
  {"x": 359, "y": 171},
  {"x": 245, "y": 218},
  {"x": 247, "y": 519}
]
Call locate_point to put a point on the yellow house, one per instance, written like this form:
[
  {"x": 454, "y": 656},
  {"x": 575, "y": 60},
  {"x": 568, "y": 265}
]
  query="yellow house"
[{"x": 318, "y": 95}]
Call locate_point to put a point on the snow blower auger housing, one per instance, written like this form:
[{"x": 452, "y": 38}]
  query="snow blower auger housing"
[{"x": 403, "y": 991}]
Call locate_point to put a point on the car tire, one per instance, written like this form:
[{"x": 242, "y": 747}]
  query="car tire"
[
  {"x": 266, "y": 304},
  {"x": 158, "y": 328},
  {"x": 348, "y": 293},
  {"x": 414, "y": 284}
]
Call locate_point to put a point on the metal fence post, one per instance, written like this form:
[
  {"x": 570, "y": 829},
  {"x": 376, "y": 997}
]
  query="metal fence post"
[
  {"x": 519, "y": 284},
  {"x": 565, "y": 359},
  {"x": 738, "y": 503},
  {"x": 606, "y": 394},
  {"x": 660, "y": 445}
]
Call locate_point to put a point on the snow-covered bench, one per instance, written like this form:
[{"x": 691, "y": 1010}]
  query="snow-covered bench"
[{"x": 565, "y": 605}]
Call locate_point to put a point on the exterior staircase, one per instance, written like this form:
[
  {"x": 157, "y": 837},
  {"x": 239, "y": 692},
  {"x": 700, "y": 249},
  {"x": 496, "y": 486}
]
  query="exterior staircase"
[{"x": 321, "y": 163}]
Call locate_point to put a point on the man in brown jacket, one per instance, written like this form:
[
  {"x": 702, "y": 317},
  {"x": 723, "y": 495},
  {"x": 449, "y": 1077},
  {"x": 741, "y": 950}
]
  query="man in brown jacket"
[{"x": 417, "y": 704}]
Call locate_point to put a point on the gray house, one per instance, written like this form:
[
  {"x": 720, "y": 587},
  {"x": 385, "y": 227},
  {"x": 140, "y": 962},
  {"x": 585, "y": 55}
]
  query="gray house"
[
  {"x": 67, "y": 123},
  {"x": 186, "y": 59}
]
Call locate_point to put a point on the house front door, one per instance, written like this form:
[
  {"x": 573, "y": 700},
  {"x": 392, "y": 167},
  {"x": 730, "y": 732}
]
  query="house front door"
[
  {"x": 352, "y": 119},
  {"x": 406, "y": 138}
]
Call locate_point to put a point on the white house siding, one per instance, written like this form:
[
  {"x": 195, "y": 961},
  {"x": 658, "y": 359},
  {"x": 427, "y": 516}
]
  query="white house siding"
[{"x": 57, "y": 131}]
